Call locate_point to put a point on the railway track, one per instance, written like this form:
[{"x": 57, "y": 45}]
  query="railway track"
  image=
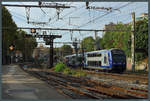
[
  {"x": 83, "y": 88},
  {"x": 141, "y": 79}
]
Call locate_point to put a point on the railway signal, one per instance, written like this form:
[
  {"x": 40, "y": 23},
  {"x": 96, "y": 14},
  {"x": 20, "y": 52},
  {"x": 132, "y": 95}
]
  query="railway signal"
[
  {"x": 11, "y": 52},
  {"x": 33, "y": 30},
  {"x": 11, "y": 47},
  {"x": 49, "y": 41}
]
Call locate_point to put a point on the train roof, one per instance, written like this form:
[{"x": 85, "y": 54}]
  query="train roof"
[
  {"x": 70, "y": 55},
  {"x": 115, "y": 49},
  {"x": 98, "y": 51},
  {"x": 105, "y": 50},
  {"x": 73, "y": 55}
]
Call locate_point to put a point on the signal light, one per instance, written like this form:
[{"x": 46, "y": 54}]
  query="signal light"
[{"x": 33, "y": 30}]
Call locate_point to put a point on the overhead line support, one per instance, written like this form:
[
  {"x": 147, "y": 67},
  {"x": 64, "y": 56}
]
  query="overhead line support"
[
  {"x": 38, "y": 6},
  {"x": 65, "y": 29}
]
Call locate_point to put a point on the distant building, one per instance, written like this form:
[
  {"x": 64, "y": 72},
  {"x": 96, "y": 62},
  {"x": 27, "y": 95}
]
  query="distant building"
[
  {"x": 110, "y": 26},
  {"x": 40, "y": 52},
  {"x": 142, "y": 16}
]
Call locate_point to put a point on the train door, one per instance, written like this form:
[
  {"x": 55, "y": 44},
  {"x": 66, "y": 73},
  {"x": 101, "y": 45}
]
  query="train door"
[{"x": 105, "y": 61}]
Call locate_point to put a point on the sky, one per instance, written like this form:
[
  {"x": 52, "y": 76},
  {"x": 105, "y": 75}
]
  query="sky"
[{"x": 76, "y": 17}]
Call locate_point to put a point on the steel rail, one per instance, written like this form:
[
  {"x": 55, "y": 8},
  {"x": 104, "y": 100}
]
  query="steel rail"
[{"x": 101, "y": 88}]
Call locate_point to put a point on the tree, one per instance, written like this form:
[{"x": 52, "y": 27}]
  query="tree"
[
  {"x": 114, "y": 39},
  {"x": 14, "y": 37},
  {"x": 25, "y": 44},
  {"x": 8, "y": 35},
  {"x": 88, "y": 43},
  {"x": 141, "y": 39},
  {"x": 66, "y": 50},
  {"x": 122, "y": 40},
  {"x": 98, "y": 43}
]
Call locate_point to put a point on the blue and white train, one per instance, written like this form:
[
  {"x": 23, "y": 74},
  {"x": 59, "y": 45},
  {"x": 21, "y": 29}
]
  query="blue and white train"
[{"x": 112, "y": 59}]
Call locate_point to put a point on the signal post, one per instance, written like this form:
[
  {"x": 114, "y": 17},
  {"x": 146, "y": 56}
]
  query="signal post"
[{"x": 49, "y": 41}]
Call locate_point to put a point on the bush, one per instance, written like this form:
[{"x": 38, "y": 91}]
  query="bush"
[
  {"x": 67, "y": 71},
  {"x": 80, "y": 73},
  {"x": 60, "y": 67}
]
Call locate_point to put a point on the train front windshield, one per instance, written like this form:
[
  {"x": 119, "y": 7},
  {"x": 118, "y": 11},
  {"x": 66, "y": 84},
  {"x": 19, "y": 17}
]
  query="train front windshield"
[{"x": 118, "y": 56}]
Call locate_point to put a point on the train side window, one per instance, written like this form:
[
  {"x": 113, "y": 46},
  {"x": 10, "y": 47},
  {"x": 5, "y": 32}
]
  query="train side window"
[
  {"x": 105, "y": 59},
  {"x": 100, "y": 63},
  {"x": 95, "y": 64}
]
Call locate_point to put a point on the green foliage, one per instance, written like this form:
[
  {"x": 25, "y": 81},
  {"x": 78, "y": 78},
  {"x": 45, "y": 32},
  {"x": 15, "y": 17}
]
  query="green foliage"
[
  {"x": 141, "y": 39},
  {"x": 74, "y": 72},
  {"x": 88, "y": 43},
  {"x": 122, "y": 40},
  {"x": 14, "y": 37},
  {"x": 114, "y": 39},
  {"x": 25, "y": 45},
  {"x": 66, "y": 50},
  {"x": 8, "y": 35},
  {"x": 80, "y": 73},
  {"x": 60, "y": 67},
  {"x": 67, "y": 71}
]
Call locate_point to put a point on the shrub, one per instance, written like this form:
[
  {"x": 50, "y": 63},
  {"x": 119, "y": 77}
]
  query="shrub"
[
  {"x": 73, "y": 72},
  {"x": 67, "y": 71},
  {"x": 60, "y": 67},
  {"x": 80, "y": 73}
]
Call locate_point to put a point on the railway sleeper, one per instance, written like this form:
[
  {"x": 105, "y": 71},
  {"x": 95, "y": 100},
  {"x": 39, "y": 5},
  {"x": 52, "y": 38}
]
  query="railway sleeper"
[
  {"x": 129, "y": 92},
  {"x": 108, "y": 92}
]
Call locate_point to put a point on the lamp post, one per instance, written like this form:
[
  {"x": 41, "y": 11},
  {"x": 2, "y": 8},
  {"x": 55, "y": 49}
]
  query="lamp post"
[{"x": 11, "y": 49}]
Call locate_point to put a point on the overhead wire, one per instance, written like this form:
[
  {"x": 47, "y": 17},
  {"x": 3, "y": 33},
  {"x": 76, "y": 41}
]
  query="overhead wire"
[
  {"x": 102, "y": 15},
  {"x": 99, "y": 18},
  {"x": 68, "y": 32},
  {"x": 117, "y": 8}
]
